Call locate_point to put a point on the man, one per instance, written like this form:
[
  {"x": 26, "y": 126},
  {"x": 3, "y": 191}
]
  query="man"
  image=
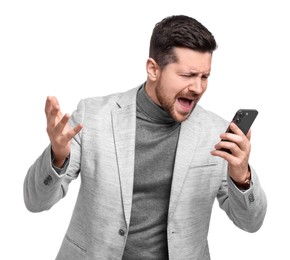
[{"x": 151, "y": 160}]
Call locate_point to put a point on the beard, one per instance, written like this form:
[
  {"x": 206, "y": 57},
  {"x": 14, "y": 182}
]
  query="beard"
[{"x": 168, "y": 103}]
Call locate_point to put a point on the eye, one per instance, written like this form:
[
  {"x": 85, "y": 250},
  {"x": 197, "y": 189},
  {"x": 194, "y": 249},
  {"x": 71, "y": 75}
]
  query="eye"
[
  {"x": 204, "y": 77},
  {"x": 187, "y": 75}
]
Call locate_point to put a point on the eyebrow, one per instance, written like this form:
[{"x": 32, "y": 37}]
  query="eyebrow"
[{"x": 192, "y": 73}]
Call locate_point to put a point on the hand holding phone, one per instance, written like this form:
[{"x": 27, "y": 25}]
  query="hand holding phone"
[
  {"x": 244, "y": 118},
  {"x": 235, "y": 147}
]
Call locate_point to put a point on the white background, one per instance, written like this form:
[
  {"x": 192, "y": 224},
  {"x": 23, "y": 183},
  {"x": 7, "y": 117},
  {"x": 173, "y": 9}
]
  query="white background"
[{"x": 76, "y": 49}]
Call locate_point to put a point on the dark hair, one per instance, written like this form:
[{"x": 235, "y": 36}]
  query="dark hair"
[{"x": 178, "y": 31}]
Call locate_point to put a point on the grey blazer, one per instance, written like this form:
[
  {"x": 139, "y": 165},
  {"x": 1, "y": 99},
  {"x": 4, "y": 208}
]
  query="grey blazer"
[{"x": 103, "y": 155}]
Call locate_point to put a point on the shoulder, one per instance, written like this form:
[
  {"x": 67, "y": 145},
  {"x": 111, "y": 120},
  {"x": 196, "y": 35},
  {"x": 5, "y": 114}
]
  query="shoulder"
[{"x": 107, "y": 103}]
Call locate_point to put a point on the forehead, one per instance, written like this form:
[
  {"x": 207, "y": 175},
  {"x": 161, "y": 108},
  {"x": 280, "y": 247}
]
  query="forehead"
[{"x": 193, "y": 60}]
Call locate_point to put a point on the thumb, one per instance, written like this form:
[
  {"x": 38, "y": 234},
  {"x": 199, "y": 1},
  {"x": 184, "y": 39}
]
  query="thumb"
[{"x": 249, "y": 134}]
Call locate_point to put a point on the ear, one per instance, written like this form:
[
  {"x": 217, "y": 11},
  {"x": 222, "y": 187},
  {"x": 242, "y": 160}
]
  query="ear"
[{"x": 152, "y": 69}]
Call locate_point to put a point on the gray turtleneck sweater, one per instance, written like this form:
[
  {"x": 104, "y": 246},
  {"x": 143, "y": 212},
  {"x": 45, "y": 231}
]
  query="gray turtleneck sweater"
[{"x": 156, "y": 141}]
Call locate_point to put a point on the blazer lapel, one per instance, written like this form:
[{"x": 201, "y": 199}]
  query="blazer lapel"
[
  {"x": 124, "y": 129},
  {"x": 187, "y": 144}
]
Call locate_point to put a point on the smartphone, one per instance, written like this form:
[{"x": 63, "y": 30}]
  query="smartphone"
[{"x": 244, "y": 118}]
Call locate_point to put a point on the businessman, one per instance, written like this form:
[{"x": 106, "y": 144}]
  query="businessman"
[{"x": 151, "y": 160}]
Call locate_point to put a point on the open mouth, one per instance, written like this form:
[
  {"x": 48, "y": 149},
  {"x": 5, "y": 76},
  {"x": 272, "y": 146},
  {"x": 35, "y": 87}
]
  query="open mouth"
[{"x": 186, "y": 103}]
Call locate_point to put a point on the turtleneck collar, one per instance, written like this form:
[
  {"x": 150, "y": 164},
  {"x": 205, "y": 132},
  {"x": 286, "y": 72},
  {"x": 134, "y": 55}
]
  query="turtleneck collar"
[{"x": 154, "y": 112}]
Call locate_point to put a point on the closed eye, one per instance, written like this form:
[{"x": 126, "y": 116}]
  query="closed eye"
[
  {"x": 189, "y": 75},
  {"x": 193, "y": 75},
  {"x": 205, "y": 77}
]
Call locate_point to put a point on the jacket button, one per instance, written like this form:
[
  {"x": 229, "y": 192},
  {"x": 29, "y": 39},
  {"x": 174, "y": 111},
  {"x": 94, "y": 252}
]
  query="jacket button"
[
  {"x": 251, "y": 198},
  {"x": 121, "y": 232},
  {"x": 48, "y": 180}
]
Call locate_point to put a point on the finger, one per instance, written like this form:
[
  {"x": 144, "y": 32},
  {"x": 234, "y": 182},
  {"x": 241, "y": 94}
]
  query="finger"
[
  {"x": 238, "y": 131},
  {"x": 47, "y": 105},
  {"x": 55, "y": 108},
  {"x": 225, "y": 155},
  {"x": 231, "y": 146},
  {"x": 235, "y": 129},
  {"x": 62, "y": 123},
  {"x": 53, "y": 113},
  {"x": 73, "y": 132},
  {"x": 51, "y": 103},
  {"x": 48, "y": 112},
  {"x": 231, "y": 137},
  {"x": 54, "y": 102},
  {"x": 249, "y": 134},
  {"x": 238, "y": 137},
  {"x": 236, "y": 143}
]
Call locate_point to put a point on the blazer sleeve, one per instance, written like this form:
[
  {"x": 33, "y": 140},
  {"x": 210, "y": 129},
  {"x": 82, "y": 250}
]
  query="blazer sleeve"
[
  {"x": 247, "y": 209},
  {"x": 43, "y": 186}
]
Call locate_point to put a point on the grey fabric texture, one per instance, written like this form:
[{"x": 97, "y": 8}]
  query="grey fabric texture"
[{"x": 103, "y": 156}]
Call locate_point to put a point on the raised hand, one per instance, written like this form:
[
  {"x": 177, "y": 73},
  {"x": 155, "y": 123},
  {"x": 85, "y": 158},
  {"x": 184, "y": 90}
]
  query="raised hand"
[{"x": 59, "y": 131}]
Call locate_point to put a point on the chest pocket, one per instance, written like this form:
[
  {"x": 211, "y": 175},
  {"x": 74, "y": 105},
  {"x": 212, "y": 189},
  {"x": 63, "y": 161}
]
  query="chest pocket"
[{"x": 204, "y": 176}]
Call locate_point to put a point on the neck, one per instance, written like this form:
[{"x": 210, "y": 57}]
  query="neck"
[
  {"x": 150, "y": 91},
  {"x": 151, "y": 109}
]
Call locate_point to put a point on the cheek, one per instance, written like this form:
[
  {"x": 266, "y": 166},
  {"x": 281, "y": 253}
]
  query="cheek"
[
  {"x": 204, "y": 85},
  {"x": 171, "y": 85},
  {"x": 173, "y": 88}
]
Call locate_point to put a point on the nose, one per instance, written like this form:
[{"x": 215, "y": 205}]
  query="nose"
[{"x": 197, "y": 86}]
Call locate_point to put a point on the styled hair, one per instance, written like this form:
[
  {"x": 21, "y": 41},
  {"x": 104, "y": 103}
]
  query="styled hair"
[{"x": 178, "y": 31}]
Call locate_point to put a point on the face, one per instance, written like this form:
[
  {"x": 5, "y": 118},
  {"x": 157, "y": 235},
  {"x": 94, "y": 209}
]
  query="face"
[{"x": 180, "y": 85}]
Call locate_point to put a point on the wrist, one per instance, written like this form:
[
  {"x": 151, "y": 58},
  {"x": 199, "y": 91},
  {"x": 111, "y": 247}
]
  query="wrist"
[
  {"x": 244, "y": 184},
  {"x": 58, "y": 161}
]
